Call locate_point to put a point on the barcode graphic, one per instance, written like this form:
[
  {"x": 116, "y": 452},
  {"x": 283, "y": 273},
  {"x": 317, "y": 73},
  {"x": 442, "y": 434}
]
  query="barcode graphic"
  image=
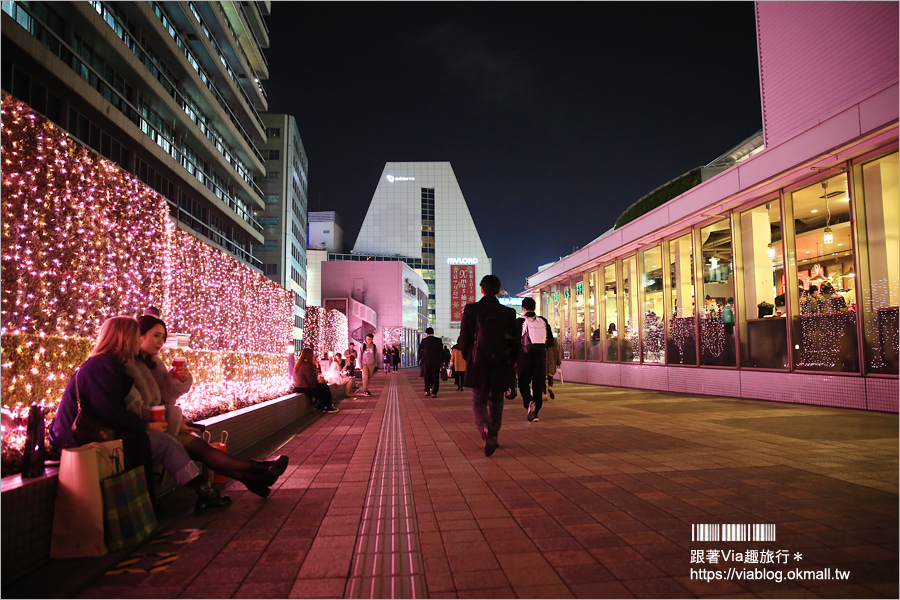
[{"x": 732, "y": 532}]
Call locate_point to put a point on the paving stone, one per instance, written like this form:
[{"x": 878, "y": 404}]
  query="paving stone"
[{"x": 598, "y": 502}]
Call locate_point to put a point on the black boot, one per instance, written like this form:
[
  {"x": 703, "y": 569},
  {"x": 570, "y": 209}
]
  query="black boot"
[
  {"x": 255, "y": 485},
  {"x": 267, "y": 472},
  {"x": 207, "y": 495}
]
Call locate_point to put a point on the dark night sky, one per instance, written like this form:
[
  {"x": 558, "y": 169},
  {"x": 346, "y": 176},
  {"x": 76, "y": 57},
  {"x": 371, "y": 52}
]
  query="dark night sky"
[{"x": 569, "y": 110}]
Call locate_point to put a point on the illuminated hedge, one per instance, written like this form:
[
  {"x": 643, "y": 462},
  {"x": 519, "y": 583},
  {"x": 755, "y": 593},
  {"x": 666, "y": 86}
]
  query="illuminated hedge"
[
  {"x": 325, "y": 331},
  {"x": 83, "y": 240}
]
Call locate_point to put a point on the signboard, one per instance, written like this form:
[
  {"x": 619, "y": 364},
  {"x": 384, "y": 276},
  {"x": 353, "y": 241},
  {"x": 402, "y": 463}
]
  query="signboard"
[{"x": 462, "y": 289}]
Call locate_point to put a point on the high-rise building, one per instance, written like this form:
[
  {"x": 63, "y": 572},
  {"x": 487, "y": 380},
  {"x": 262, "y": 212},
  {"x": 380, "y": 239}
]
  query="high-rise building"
[
  {"x": 284, "y": 194},
  {"x": 170, "y": 91},
  {"x": 418, "y": 215}
]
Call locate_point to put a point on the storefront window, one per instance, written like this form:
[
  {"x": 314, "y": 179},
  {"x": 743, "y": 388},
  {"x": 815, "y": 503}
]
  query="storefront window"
[
  {"x": 631, "y": 349},
  {"x": 611, "y": 333},
  {"x": 763, "y": 329},
  {"x": 552, "y": 311},
  {"x": 824, "y": 333},
  {"x": 682, "y": 344},
  {"x": 717, "y": 316},
  {"x": 880, "y": 295},
  {"x": 595, "y": 344},
  {"x": 578, "y": 305},
  {"x": 653, "y": 330}
]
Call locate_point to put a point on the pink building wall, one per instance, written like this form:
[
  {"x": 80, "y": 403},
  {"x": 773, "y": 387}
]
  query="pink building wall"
[
  {"x": 382, "y": 285},
  {"x": 807, "y": 73}
]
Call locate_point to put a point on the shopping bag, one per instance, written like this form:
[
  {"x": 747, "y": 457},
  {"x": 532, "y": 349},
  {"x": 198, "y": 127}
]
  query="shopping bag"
[
  {"x": 220, "y": 445},
  {"x": 128, "y": 515},
  {"x": 78, "y": 513}
]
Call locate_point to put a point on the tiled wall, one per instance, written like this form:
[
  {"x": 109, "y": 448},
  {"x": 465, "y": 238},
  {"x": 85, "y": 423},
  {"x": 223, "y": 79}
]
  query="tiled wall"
[
  {"x": 882, "y": 394},
  {"x": 27, "y": 508},
  {"x": 801, "y": 388}
]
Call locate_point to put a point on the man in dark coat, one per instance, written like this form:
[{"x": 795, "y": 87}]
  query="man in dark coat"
[
  {"x": 430, "y": 357},
  {"x": 489, "y": 362}
]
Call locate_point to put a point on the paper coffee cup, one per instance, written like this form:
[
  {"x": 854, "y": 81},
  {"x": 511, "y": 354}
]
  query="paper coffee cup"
[
  {"x": 159, "y": 413},
  {"x": 179, "y": 364}
]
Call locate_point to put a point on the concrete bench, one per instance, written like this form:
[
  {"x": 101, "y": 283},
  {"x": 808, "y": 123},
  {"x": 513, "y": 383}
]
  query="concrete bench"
[{"x": 27, "y": 504}]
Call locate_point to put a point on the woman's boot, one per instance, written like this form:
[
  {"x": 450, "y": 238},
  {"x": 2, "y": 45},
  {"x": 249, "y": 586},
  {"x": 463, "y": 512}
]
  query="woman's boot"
[
  {"x": 267, "y": 472},
  {"x": 263, "y": 474},
  {"x": 207, "y": 495}
]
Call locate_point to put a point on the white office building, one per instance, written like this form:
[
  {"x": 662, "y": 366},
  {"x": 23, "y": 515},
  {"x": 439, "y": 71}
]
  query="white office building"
[{"x": 418, "y": 215}]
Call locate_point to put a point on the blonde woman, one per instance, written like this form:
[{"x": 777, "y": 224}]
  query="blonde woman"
[{"x": 103, "y": 386}]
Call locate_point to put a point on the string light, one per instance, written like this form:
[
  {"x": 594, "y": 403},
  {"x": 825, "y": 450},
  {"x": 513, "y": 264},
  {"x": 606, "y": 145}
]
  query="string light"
[
  {"x": 83, "y": 241},
  {"x": 325, "y": 331}
]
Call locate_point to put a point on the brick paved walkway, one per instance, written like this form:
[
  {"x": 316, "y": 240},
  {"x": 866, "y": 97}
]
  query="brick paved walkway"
[{"x": 393, "y": 497}]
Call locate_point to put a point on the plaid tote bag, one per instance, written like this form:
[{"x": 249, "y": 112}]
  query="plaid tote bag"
[{"x": 128, "y": 515}]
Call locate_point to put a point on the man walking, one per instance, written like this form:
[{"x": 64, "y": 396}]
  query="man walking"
[
  {"x": 367, "y": 362},
  {"x": 531, "y": 362},
  {"x": 430, "y": 357},
  {"x": 487, "y": 339}
]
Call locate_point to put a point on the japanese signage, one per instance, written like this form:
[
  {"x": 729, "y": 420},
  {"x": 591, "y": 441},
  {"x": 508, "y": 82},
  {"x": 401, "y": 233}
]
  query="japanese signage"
[{"x": 462, "y": 289}]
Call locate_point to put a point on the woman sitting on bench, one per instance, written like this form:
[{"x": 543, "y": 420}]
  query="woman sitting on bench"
[
  {"x": 102, "y": 386},
  {"x": 155, "y": 385},
  {"x": 308, "y": 380}
]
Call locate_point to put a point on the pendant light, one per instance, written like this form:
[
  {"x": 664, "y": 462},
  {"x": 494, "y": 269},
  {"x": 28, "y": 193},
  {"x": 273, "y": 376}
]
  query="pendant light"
[{"x": 828, "y": 237}]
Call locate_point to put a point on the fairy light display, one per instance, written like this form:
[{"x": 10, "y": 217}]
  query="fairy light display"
[
  {"x": 82, "y": 240},
  {"x": 325, "y": 331}
]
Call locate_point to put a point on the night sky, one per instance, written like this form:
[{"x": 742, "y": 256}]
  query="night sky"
[{"x": 555, "y": 116}]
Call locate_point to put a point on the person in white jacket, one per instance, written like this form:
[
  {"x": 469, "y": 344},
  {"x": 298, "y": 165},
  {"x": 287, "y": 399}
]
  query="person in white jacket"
[{"x": 531, "y": 361}]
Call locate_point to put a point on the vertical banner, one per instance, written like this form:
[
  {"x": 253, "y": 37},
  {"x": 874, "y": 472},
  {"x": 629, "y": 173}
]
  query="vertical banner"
[{"x": 462, "y": 289}]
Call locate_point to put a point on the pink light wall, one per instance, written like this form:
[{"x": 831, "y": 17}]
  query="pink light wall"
[{"x": 83, "y": 240}]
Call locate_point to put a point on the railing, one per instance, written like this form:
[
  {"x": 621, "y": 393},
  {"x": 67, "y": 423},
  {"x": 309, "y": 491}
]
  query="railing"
[
  {"x": 53, "y": 43},
  {"x": 223, "y": 103},
  {"x": 186, "y": 103},
  {"x": 196, "y": 224}
]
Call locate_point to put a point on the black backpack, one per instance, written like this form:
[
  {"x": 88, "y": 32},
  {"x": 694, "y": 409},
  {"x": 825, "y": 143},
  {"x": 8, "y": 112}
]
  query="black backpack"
[{"x": 491, "y": 347}]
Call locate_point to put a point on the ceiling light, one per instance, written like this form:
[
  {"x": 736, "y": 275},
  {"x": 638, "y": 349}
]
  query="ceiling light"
[{"x": 829, "y": 237}]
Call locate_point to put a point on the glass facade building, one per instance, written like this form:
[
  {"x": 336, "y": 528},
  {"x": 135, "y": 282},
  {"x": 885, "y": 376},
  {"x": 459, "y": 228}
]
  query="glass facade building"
[{"x": 775, "y": 279}]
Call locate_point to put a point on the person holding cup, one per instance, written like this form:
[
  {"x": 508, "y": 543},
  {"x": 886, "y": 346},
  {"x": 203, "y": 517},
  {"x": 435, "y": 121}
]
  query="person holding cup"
[
  {"x": 159, "y": 388},
  {"x": 105, "y": 390}
]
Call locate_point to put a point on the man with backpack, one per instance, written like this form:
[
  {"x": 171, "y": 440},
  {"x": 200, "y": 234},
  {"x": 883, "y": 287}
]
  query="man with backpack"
[
  {"x": 487, "y": 339},
  {"x": 531, "y": 362},
  {"x": 368, "y": 359}
]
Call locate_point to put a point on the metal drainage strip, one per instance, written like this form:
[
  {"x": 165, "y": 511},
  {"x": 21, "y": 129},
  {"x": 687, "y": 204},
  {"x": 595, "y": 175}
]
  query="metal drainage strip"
[{"x": 387, "y": 562}]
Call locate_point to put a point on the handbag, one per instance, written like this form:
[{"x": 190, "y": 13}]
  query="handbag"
[
  {"x": 78, "y": 512},
  {"x": 128, "y": 515},
  {"x": 220, "y": 445},
  {"x": 444, "y": 375},
  {"x": 86, "y": 427}
]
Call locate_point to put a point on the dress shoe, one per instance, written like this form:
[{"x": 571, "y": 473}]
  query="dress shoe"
[
  {"x": 207, "y": 495},
  {"x": 490, "y": 444}
]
